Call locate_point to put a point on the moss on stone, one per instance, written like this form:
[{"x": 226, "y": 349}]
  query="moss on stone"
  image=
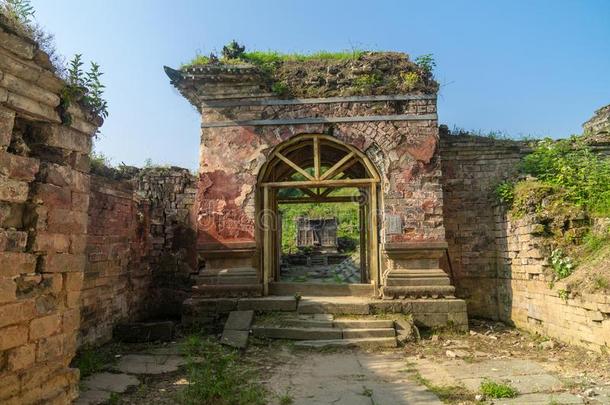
[{"x": 327, "y": 74}]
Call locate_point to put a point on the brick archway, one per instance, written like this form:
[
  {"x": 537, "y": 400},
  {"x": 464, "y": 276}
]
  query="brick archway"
[{"x": 316, "y": 165}]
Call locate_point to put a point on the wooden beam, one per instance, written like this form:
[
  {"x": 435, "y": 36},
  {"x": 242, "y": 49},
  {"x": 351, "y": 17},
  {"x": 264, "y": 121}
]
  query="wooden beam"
[
  {"x": 305, "y": 200},
  {"x": 320, "y": 183},
  {"x": 316, "y": 157},
  {"x": 308, "y": 192},
  {"x": 373, "y": 236},
  {"x": 267, "y": 243},
  {"x": 337, "y": 166},
  {"x": 294, "y": 165}
]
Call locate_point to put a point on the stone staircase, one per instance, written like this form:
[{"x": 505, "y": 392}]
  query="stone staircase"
[
  {"x": 322, "y": 330},
  {"x": 233, "y": 282},
  {"x": 414, "y": 283},
  {"x": 323, "y": 314}
]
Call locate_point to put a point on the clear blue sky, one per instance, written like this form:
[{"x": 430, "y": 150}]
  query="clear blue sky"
[{"x": 521, "y": 66}]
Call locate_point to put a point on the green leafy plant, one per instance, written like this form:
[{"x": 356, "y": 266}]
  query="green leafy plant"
[
  {"x": 85, "y": 88},
  {"x": 20, "y": 10},
  {"x": 410, "y": 80},
  {"x": 233, "y": 50},
  {"x": 571, "y": 165},
  {"x": 505, "y": 193},
  {"x": 562, "y": 265},
  {"x": 426, "y": 63},
  {"x": 367, "y": 83},
  {"x": 280, "y": 88},
  {"x": 494, "y": 389},
  {"x": 286, "y": 399},
  {"x": 563, "y": 294}
]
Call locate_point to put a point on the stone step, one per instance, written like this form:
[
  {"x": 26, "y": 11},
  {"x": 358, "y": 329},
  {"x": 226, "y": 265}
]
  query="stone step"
[
  {"x": 292, "y": 333},
  {"x": 306, "y": 323},
  {"x": 229, "y": 271},
  {"x": 232, "y": 279},
  {"x": 278, "y": 332},
  {"x": 320, "y": 289},
  {"x": 423, "y": 272},
  {"x": 341, "y": 324},
  {"x": 418, "y": 291},
  {"x": 366, "y": 343},
  {"x": 368, "y": 333},
  {"x": 363, "y": 323},
  {"x": 335, "y": 306},
  {"x": 228, "y": 290},
  {"x": 417, "y": 281}
]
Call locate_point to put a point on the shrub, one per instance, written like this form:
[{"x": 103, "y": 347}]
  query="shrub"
[
  {"x": 570, "y": 164},
  {"x": 426, "y": 63},
  {"x": 233, "y": 50},
  {"x": 19, "y": 10}
]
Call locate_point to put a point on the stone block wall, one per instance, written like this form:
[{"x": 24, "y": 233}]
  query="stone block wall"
[
  {"x": 499, "y": 264},
  {"x": 472, "y": 167},
  {"x": 527, "y": 299},
  {"x": 117, "y": 272},
  {"x": 44, "y": 198}
]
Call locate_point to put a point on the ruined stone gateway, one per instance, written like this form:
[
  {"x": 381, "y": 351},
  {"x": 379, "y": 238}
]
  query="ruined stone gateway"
[
  {"x": 326, "y": 131},
  {"x": 90, "y": 253}
]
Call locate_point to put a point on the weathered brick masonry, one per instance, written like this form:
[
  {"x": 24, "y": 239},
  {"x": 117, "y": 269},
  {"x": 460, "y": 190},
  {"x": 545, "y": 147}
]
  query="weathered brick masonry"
[
  {"x": 117, "y": 273},
  {"x": 499, "y": 264},
  {"x": 44, "y": 198},
  {"x": 472, "y": 167},
  {"x": 140, "y": 249},
  {"x": 526, "y": 298}
]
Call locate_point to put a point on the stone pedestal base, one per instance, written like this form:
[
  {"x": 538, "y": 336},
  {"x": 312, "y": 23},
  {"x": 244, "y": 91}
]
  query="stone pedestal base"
[{"x": 413, "y": 271}]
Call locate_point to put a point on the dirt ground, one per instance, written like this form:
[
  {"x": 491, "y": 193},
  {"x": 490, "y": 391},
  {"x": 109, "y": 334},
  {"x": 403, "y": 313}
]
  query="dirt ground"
[{"x": 442, "y": 367}]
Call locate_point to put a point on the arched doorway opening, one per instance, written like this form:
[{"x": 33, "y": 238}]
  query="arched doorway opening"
[{"x": 314, "y": 170}]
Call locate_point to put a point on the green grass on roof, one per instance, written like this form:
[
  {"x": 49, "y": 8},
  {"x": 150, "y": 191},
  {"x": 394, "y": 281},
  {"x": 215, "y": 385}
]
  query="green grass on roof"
[{"x": 262, "y": 58}]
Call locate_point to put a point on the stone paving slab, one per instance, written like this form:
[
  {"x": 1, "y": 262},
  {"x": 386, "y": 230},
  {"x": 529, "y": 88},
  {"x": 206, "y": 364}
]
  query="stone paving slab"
[
  {"x": 239, "y": 320},
  {"x": 541, "y": 399},
  {"x": 268, "y": 304},
  {"x": 149, "y": 364},
  {"x": 534, "y": 384},
  {"x": 235, "y": 338},
  {"x": 110, "y": 382},
  {"x": 349, "y": 378},
  {"x": 92, "y": 397}
]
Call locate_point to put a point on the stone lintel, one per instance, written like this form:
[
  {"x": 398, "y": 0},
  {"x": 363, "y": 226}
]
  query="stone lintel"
[
  {"x": 321, "y": 120},
  {"x": 265, "y": 101}
]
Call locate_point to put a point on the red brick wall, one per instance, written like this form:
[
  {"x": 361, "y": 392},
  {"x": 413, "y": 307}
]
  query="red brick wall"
[{"x": 117, "y": 273}]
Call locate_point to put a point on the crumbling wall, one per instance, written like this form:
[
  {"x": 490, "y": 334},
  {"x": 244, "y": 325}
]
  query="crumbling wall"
[
  {"x": 44, "y": 197},
  {"x": 117, "y": 273},
  {"x": 140, "y": 248},
  {"x": 170, "y": 192},
  {"x": 472, "y": 167},
  {"x": 529, "y": 297}
]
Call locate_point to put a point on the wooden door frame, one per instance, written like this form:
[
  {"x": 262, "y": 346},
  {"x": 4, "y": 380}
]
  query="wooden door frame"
[{"x": 318, "y": 186}]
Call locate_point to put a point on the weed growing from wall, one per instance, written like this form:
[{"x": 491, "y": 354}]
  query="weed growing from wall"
[{"x": 85, "y": 88}]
